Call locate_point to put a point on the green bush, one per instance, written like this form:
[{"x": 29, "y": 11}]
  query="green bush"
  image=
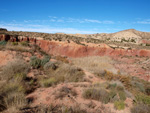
[
  {"x": 45, "y": 60},
  {"x": 122, "y": 95},
  {"x": 96, "y": 94},
  {"x": 142, "y": 98},
  {"x": 14, "y": 43},
  {"x": 119, "y": 105},
  {"x": 24, "y": 43},
  {"x": 139, "y": 86},
  {"x": 3, "y": 43},
  {"x": 113, "y": 96},
  {"x": 35, "y": 62}
]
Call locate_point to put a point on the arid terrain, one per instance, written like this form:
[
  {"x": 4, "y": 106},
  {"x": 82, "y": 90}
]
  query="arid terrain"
[{"x": 74, "y": 73}]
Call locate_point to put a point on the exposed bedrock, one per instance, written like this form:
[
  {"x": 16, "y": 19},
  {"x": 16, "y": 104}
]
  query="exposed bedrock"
[
  {"x": 76, "y": 50},
  {"x": 72, "y": 49}
]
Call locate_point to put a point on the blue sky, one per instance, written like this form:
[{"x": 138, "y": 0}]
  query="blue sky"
[{"x": 75, "y": 16}]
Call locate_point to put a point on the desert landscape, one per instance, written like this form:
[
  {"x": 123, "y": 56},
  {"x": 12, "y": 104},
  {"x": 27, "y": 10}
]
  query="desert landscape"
[{"x": 74, "y": 73}]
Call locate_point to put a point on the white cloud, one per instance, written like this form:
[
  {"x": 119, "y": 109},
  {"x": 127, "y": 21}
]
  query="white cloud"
[
  {"x": 60, "y": 20},
  {"x": 52, "y": 16},
  {"x": 107, "y": 22},
  {"x": 45, "y": 29},
  {"x": 75, "y": 20},
  {"x": 147, "y": 21},
  {"x": 92, "y": 21},
  {"x": 44, "y": 25},
  {"x": 52, "y": 20}
]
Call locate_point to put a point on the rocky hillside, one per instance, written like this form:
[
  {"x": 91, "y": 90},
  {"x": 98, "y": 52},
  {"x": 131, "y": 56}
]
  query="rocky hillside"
[
  {"x": 60, "y": 73},
  {"x": 130, "y": 35}
]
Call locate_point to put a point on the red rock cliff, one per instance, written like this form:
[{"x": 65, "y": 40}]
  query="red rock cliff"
[{"x": 76, "y": 50}]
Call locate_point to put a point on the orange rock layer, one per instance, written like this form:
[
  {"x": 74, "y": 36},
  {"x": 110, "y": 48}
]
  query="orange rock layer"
[{"x": 76, "y": 50}]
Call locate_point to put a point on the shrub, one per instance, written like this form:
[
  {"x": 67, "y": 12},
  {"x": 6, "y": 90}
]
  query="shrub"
[
  {"x": 14, "y": 43},
  {"x": 50, "y": 65},
  {"x": 74, "y": 109},
  {"x": 24, "y": 43},
  {"x": 142, "y": 98},
  {"x": 139, "y": 86},
  {"x": 140, "y": 108},
  {"x": 12, "y": 87},
  {"x": 14, "y": 68},
  {"x": 119, "y": 105},
  {"x": 125, "y": 80},
  {"x": 48, "y": 82},
  {"x": 113, "y": 96},
  {"x": 18, "y": 48},
  {"x": 35, "y": 62},
  {"x": 96, "y": 94},
  {"x": 112, "y": 86},
  {"x": 45, "y": 60},
  {"x": 12, "y": 96},
  {"x": 75, "y": 74},
  {"x": 15, "y": 100},
  {"x": 122, "y": 95},
  {"x": 2, "y": 43},
  {"x": 95, "y": 64},
  {"x": 66, "y": 72}
]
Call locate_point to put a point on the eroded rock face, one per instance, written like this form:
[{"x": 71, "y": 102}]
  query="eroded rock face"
[
  {"x": 73, "y": 49},
  {"x": 76, "y": 50},
  {"x": 15, "y": 38}
]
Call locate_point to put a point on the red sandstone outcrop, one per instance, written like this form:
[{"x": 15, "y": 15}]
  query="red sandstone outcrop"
[
  {"x": 14, "y": 38},
  {"x": 76, "y": 50},
  {"x": 72, "y": 49}
]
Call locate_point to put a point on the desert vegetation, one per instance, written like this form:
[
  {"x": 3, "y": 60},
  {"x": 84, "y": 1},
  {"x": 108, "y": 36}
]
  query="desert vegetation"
[{"x": 67, "y": 85}]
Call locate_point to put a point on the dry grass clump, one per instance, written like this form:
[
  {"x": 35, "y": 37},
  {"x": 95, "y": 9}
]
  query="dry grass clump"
[
  {"x": 24, "y": 43},
  {"x": 60, "y": 109},
  {"x": 14, "y": 68},
  {"x": 12, "y": 96},
  {"x": 113, "y": 92},
  {"x": 62, "y": 59},
  {"x": 63, "y": 72},
  {"x": 69, "y": 73},
  {"x": 19, "y": 48},
  {"x": 15, "y": 101},
  {"x": 95, "y": 64},
  {"x": 12, "y": 91},
  {"x": 119, "y": 105},
  {"x": 142, "y": 98},
  {"x": 73, "y": 109},
  {"x": 48, "y": 82},
  {"x": 140, "y": 108},
  {"x": 96, "y": 94},
  {"x": 126, "y": 80}
]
